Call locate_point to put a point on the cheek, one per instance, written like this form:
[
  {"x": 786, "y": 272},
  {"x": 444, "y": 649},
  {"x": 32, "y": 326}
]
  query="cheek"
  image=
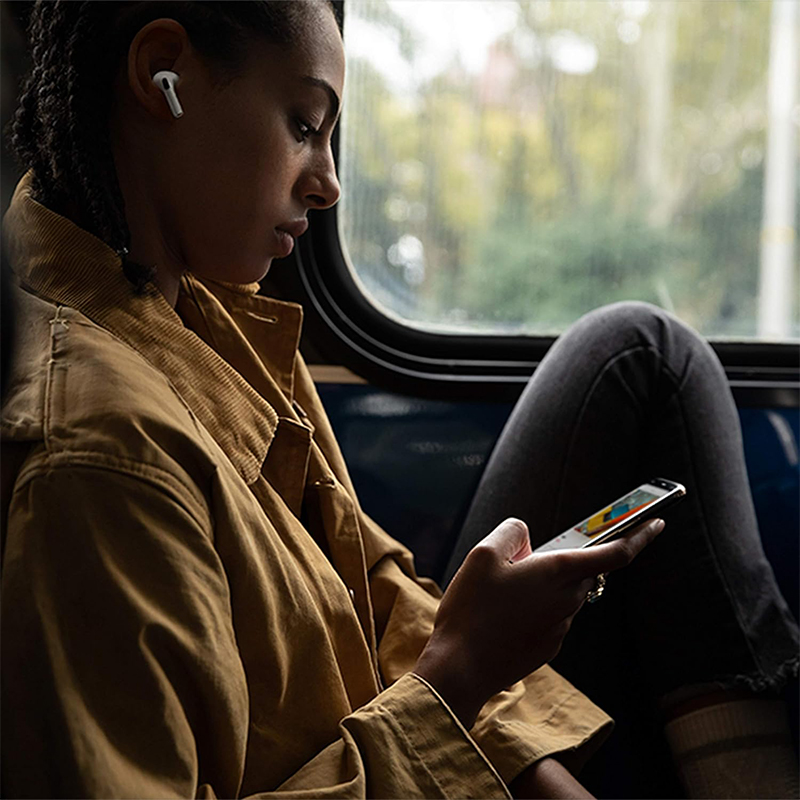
[
  {"x": 231, "y": 234},
  {"x": 253, "y": 174},
  {"x": 242, "y": 191}
]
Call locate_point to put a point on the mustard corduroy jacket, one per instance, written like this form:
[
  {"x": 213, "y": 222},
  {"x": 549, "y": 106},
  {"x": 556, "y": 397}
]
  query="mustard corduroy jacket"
[{"x": 193, "y": 601}]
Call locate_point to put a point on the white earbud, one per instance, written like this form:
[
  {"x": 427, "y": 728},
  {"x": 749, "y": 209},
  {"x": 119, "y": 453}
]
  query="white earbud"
[{"x": 165, "y": 80}]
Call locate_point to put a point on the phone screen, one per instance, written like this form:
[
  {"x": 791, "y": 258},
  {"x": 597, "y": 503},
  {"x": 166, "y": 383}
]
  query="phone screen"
[
  {"x": 616, "y": 512},
  {"x": 616, "y": 517}
]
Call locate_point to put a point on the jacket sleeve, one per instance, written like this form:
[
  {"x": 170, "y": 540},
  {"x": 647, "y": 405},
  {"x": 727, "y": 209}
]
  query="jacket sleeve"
[
  {"x": 121, "y": 674},
  {"x": 541, "y": 716}
]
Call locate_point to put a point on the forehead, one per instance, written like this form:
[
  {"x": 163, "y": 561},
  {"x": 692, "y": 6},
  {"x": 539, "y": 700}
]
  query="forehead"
[{"x": 317, "y": 51}]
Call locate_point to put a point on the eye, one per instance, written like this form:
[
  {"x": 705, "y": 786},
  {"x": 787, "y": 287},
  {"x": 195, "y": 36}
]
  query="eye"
[{"x": 305, "y": 130}]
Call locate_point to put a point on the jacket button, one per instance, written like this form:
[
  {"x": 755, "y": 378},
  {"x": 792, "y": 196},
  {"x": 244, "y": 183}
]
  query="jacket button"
[{"x": 352, "y": 595}]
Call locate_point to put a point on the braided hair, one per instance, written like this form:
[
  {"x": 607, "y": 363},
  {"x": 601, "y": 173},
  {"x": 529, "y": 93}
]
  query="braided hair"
[{"x": 60, "y": 129}]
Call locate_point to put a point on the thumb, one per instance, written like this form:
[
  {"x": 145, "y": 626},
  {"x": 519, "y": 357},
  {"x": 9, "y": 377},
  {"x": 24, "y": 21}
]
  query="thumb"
[{"x": 509, "y": 540}]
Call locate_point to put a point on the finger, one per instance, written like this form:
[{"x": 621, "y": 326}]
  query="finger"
[
  {"x": 616, "y": 554},
  {"x": 508, "y": 539},
  {"x": 524, "y": 551}
]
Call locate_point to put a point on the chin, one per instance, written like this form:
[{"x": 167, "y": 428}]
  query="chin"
[{"x": 239, "y": 274}]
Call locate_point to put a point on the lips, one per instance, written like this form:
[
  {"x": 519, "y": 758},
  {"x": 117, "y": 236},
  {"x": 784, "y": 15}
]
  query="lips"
[
  {"x": 286, "y": 233},
  {"x": 295, "y": 229}
]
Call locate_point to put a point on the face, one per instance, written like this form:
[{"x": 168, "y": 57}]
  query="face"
[{"x": 237, "y": 174}]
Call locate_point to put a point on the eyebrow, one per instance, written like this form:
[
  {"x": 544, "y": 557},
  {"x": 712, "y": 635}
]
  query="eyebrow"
[{"x": 320, "y": 83}]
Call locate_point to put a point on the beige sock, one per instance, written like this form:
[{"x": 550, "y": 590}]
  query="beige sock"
[{"x": 738, "y": 749}]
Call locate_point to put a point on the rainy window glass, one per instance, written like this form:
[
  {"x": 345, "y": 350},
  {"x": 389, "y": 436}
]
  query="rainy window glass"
[{"x": 508, "y": 166}]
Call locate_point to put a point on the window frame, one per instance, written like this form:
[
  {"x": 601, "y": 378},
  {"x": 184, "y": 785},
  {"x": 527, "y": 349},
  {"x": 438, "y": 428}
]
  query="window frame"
[{"x": 345, "y": 327}]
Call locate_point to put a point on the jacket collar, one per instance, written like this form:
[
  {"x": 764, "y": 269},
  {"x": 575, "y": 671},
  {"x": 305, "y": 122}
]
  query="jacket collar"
[{"x": 65, "y": 264}]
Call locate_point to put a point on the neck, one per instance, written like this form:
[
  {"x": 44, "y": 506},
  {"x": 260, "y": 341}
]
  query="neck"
[
  {"x": 149, "y": 247},
  {"x": 164, "y": 280},
  {"x": 168, "y": 285},
  {"x": 152, "y": 243}
]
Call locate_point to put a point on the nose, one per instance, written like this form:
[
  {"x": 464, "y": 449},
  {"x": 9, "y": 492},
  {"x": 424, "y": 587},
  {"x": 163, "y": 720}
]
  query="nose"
[{"x": 322, "y": 189}]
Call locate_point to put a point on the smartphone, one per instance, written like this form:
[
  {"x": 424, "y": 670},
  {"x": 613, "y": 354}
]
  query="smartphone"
[{"x": 644, "y": 503}]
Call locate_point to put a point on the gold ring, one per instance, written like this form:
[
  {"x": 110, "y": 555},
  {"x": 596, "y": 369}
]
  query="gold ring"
[{"x": 599, "y": 587}]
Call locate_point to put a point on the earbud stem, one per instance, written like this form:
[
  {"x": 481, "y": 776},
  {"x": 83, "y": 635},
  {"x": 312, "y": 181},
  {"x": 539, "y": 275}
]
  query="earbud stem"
[{"x": 165, "y": 79}]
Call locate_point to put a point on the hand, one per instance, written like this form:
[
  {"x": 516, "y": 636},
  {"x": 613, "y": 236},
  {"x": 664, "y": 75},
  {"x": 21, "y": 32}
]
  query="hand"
[{"x": 507, "y": 610}]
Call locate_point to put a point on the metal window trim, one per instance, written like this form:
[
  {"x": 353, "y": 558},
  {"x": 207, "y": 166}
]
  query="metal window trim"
[{"x": 348, "y": 329}]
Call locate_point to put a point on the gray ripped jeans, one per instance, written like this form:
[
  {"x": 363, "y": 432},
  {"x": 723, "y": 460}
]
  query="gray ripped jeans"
[{"x": 628, "y": 393}]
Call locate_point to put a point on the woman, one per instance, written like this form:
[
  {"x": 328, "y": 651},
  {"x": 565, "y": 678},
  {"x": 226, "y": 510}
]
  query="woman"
[{"x": 193, "y": 601}]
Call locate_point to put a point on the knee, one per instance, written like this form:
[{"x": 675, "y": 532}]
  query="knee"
[
  {"x": 629, "y": 315},
  {"x": 638, "y": 326},
  {"x": 636, "y": 322}
]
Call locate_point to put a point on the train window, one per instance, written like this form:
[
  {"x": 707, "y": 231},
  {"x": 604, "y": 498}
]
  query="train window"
[{"x": 508, "y": 166}]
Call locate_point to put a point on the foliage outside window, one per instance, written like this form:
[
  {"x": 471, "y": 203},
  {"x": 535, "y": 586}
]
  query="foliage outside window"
[{"x": 508, "y": 166}]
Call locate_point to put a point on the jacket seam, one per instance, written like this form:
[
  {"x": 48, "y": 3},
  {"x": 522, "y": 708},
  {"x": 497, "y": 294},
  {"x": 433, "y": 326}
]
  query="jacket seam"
[
  {"x": 467, "y": 737},
  {"x": 162, "y": 479},
  {"x": 411, "y": 747},
  {"x": 49, "y": 389},
  {"x": 50, "y": 438}
]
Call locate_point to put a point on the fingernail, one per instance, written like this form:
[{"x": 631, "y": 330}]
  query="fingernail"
[{"x": 657, "y": 525}]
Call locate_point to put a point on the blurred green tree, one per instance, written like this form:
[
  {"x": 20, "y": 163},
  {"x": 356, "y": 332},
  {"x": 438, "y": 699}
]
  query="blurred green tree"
[{"x": 608, "y": 150}]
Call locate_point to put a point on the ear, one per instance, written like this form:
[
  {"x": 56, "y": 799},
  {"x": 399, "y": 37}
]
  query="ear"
[{"x": 161, "y": 44}]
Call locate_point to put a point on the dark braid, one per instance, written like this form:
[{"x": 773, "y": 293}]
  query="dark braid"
[{"x": 60, "y": 129}]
